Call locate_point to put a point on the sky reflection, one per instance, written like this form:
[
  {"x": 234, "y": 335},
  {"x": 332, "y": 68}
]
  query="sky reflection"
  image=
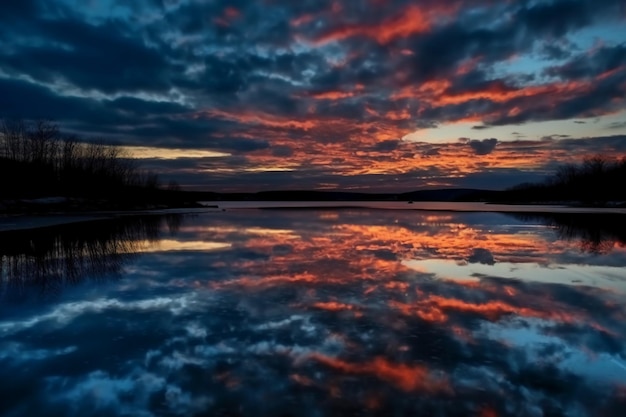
[{"x": 330, "y": 312}]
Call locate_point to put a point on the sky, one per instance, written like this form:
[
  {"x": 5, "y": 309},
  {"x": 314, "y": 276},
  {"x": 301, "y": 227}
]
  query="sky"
[{"x": 362, "y": 95}]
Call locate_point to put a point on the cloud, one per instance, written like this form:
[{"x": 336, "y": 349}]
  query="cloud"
[
  {"x": 243, "y": 144},
  {"x": 282, "y": 151},
  {"x": 21, "y": 354},
  {"x": 617, "y": 125},
  {"x": 430, "y": 152},
  {"x": 92, "y": 58},
  {"x": 602, "y": 144},
  {"x": 308, "y": 79},
  {"x": 482, "y": 256},
  {"x": 483, "y": 147},
  {"x": 556, "y": 51},
  {"x": 386, "y": 145},
  {"x": 553, "y": 137},
  {"x": 600, "y": 62}
]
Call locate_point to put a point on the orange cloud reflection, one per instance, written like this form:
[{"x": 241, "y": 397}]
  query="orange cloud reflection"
[
  {"x": 407, "y": 378},
  {"x": 373, "y": 261}
]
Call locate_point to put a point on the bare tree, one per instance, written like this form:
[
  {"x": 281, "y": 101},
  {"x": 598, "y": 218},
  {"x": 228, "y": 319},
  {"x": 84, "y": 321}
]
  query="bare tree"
[
  {"x": 173, "y": 186},
  {"x": 43, "y": 138},
  {"x": 595, "y": 165},
  {"x": 41, "y": 160},
  {"x": 13, "y": 134}
]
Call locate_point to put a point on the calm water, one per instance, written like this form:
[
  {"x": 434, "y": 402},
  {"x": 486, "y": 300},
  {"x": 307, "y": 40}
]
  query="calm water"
[{"x": 316, "y": 313}]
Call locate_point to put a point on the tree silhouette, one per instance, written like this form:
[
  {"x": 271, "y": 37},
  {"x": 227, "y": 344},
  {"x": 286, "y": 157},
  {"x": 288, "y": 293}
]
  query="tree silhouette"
[
  {"x": 596, "y": 181},
  {"x": 38, "y": 160}
]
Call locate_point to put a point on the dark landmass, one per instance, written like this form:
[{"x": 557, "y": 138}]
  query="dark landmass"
[
  {"x": 42, "y": 171},
  {"x": 448, "y": 195},
  {"x": 598, "y": 181},
  {"x": 124, "y": 201}
]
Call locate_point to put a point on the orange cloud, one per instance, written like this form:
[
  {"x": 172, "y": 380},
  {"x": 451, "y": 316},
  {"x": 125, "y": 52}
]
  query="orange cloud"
[
  {"x": 260, "y": 118},
  {"x": 333, "y": 95},
  {"x": 302, "y": 20},
  {"x": 231, "y": 12},
  {"x": 411, "y": 21},
  {"x": 437, "y": 92},
  {"x": 334, "y": 306},
  {"x": 228, "y": 16}
]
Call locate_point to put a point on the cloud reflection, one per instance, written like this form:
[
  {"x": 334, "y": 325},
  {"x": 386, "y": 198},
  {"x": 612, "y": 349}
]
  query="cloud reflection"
[{"x": 336, "y": 312}]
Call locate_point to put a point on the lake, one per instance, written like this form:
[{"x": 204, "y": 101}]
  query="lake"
[{"x": 316, "y": 312}]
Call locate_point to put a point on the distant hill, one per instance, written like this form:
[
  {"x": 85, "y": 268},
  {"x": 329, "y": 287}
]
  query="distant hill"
[
  {"x": 444, "y": 194},
  {"x": 448, "y": 194}
]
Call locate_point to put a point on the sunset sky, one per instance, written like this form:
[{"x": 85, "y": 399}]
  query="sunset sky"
[{"x": 367, "y": 95}]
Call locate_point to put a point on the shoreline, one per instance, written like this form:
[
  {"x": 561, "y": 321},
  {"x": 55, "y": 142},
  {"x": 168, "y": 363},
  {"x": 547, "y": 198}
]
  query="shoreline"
[
  {"x": 485, "y": 207},
  {"x": 29, "y": 221},
  {"x": 22, "y": 222}
]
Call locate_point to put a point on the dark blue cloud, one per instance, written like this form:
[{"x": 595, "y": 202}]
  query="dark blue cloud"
[
  {"x": 91, "y": 57},
  {"x": 483, "y": 147},
  {"x": 601, "y": 61},
  {"x": 268, "y": 79}
]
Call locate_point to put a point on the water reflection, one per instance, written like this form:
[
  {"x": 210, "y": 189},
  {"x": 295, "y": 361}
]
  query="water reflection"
[
  {"x": 334, "y": 312},
  {"x": 596, "y": 233},
  {"x": 45, "y": 260}
]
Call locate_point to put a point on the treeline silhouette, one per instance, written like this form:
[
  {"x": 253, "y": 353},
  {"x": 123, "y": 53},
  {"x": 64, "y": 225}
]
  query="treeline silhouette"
[
  {"x": 42, "y": 262},
  {"x": 596, "y": 181},
  {"x": 37, "y": 160}
]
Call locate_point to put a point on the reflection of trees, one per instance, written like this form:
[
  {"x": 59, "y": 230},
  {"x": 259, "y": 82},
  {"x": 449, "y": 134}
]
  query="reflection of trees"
[
  {"x": 597, "y": 233},
  {"x": 49, "y": 258}
]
